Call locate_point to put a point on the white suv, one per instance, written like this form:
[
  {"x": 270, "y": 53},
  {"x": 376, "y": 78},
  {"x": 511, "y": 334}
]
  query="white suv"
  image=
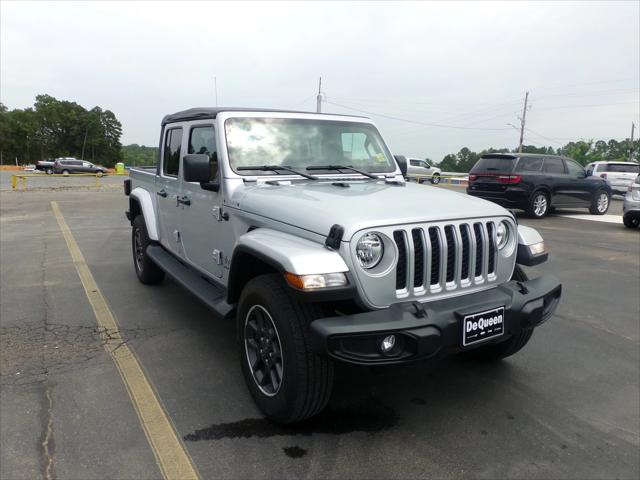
[
  {"x": 419, "y": 169},
  {"x": 619, "y": 175}
]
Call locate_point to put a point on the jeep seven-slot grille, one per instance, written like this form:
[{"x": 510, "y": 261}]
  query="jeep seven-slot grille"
[{"x": 445, "y": 256}]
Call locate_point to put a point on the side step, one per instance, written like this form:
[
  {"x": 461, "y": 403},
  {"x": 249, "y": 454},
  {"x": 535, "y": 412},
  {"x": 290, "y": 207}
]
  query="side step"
[{"x": 211, "y": 295}]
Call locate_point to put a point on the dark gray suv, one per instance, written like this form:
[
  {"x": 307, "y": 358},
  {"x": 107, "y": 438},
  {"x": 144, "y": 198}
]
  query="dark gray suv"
[{"x": 72, "y": 165}]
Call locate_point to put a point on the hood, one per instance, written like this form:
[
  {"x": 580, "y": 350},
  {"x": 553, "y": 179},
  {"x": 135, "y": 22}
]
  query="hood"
[{"x": 316, "y": 206}]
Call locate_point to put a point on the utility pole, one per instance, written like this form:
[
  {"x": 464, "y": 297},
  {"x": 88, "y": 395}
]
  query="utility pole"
[
  {"x": 215, "y": 87},
  {"x": 633, "y": 127},
  {"x": 522, "y": 121},
  {"x": 319, "y": 97}
]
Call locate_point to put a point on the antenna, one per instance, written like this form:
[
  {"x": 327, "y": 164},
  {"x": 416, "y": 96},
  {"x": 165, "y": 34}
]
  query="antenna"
[{"x": 319, "y": 97}]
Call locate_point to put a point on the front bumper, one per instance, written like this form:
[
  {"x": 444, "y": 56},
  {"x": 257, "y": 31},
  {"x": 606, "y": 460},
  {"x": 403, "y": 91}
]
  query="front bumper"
[
  {"x": 630, "y": 205},
  {"x": 435, "y": 328}
]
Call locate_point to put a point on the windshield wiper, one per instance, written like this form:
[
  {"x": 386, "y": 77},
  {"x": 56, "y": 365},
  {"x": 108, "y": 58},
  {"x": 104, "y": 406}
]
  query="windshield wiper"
[
  {"x": 343, "y": 167},
  {"x": 276, "y": 168}
]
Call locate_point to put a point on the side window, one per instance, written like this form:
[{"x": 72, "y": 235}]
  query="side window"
[
  {"x": 529, "y": 164},
  {"x": 414, "y": 163},
  {"x": 575, "y": 170},
  {"x": 553, "y": 165},
  {"x": 171, "y": 160},
  {"x": 202, "y": 140},
  {"x": 426, "y": 165}
]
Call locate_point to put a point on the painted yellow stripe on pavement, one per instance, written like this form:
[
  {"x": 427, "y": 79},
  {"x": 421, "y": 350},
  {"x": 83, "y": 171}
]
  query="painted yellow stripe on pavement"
[{"x": 170, "y": 453}]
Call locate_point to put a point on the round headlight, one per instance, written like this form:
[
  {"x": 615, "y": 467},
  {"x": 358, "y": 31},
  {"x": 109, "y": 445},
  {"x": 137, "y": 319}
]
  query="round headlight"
[
  {"x": 369, "y": 250},
  {"x": 502, "y": 234}
]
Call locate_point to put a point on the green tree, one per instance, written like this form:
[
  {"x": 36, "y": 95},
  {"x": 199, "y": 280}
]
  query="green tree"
[{"x": 56, "y": 128}]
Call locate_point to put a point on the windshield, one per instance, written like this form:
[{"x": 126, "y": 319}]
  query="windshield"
[{"x": 301, "y": 143}]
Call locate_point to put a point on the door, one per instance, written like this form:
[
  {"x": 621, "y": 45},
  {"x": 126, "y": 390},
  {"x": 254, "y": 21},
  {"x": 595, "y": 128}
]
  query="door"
[
  {"x": 580, "y": 190},
  {"x": 168, "y": 189},
  {"x": 201, "y": 216},
  {"x": 556, "y": 177}
]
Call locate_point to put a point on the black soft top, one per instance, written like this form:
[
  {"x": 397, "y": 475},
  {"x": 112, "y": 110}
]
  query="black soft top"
[{"x": 200, "y": 113}]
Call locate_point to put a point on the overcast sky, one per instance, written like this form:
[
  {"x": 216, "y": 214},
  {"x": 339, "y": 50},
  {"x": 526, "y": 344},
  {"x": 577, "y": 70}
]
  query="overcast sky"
[{"x": 454, "y": 64}]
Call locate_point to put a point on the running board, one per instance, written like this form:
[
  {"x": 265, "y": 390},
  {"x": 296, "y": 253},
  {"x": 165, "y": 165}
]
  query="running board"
[{"x": 213, "y": 296}]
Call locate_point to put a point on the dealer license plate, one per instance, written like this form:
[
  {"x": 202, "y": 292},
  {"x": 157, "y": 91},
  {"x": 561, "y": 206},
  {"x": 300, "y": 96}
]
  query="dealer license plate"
[{"x": 482, "y": 326}]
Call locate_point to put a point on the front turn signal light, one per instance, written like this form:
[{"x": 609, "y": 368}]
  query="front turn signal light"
[{"x": 316, "y": 281}]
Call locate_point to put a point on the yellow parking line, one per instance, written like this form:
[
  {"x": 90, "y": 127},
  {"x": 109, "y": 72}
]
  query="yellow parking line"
[{"x": 170, "y": 453}]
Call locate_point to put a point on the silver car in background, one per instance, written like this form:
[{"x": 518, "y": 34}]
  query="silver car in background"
[
  {"x": 421, "y": 170},
  {"x": 619, "y": 175},
  {"x": 631, "y": 205}
]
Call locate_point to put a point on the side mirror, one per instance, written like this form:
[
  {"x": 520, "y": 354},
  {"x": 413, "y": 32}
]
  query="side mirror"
[
  {"x": 402, "y": 164},
  {"x": 196, "y": 168},
  {"x": 589, "y": 173}
]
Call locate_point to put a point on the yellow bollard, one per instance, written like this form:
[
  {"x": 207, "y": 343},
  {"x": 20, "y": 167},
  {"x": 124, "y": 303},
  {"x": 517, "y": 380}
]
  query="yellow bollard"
[
  {"x": 14, "y": 181},
  {"x": 97, "y": 181},
  {"x": 24, "y": 182}
]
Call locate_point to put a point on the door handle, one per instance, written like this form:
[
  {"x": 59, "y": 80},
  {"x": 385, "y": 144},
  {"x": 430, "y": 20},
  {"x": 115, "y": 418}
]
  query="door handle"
[
  {"x": 184, "y": 200},
  {"x": 161, "y": 193}
]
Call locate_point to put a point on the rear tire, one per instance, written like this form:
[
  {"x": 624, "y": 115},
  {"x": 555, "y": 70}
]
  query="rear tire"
[
  {"x": 498, "y": 351},
  {"x": 538, "y": 204},
  {"x": 435, "y": 179},
  {"x": 99, "y": 174},
  {"x": 273, "y": 333},
  {"x": 49, "y": 171},
  {"x": 600, "y": 203},
  {"x": 147, "y": 271},
  {"x": 631, "y": 221},
  {"x": 65, "y": 172}
]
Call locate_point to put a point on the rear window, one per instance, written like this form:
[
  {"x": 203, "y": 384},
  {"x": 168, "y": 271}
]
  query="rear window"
[
  {"x": 623, "y": 167},
  {"x": 494, "y": 164}
]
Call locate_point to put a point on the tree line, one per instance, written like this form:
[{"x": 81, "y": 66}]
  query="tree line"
[
  {"x": 584, "y": 152},
  {"x": 59, "y": 128}
]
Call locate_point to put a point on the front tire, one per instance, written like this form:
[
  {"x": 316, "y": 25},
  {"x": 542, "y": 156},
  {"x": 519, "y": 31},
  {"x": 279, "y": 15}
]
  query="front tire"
[
  {"x": 286, "y": 379},
  {"x": 49, "y": 171},
  {"x": 65, "y": 172},
  {"x": 631, "y": 221},
  {"x": 147, "y": 271},
  {"x": 498, "y": 351},
  {"x": 435, "y": 179},
  {"x": 600, "y": 203},
  {"x": 538, "y": 205}
]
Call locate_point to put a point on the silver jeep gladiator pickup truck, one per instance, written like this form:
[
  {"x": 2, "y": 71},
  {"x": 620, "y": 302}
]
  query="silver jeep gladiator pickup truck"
[{"x": 302, "y": 229}]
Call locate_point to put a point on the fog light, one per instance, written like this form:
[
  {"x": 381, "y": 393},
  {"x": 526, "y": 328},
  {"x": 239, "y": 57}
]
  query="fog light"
[{"x": 387, "y": 344}]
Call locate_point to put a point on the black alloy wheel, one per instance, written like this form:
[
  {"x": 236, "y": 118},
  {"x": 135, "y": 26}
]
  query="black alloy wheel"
[{"x": 263, "y": 350}]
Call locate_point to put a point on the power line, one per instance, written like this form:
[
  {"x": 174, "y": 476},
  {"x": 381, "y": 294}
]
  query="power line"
[
  {"x": 554, "y": 140},
  {"x": 428, "y": 124},
  {"x": 585, "y": 106}
]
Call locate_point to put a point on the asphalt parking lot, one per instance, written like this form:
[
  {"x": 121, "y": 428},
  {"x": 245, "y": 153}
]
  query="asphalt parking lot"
[{"x": 567, "y": 406}]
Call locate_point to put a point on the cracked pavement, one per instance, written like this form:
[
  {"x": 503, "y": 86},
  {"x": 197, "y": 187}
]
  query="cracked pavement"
[{"x": 567, "y": 406}]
